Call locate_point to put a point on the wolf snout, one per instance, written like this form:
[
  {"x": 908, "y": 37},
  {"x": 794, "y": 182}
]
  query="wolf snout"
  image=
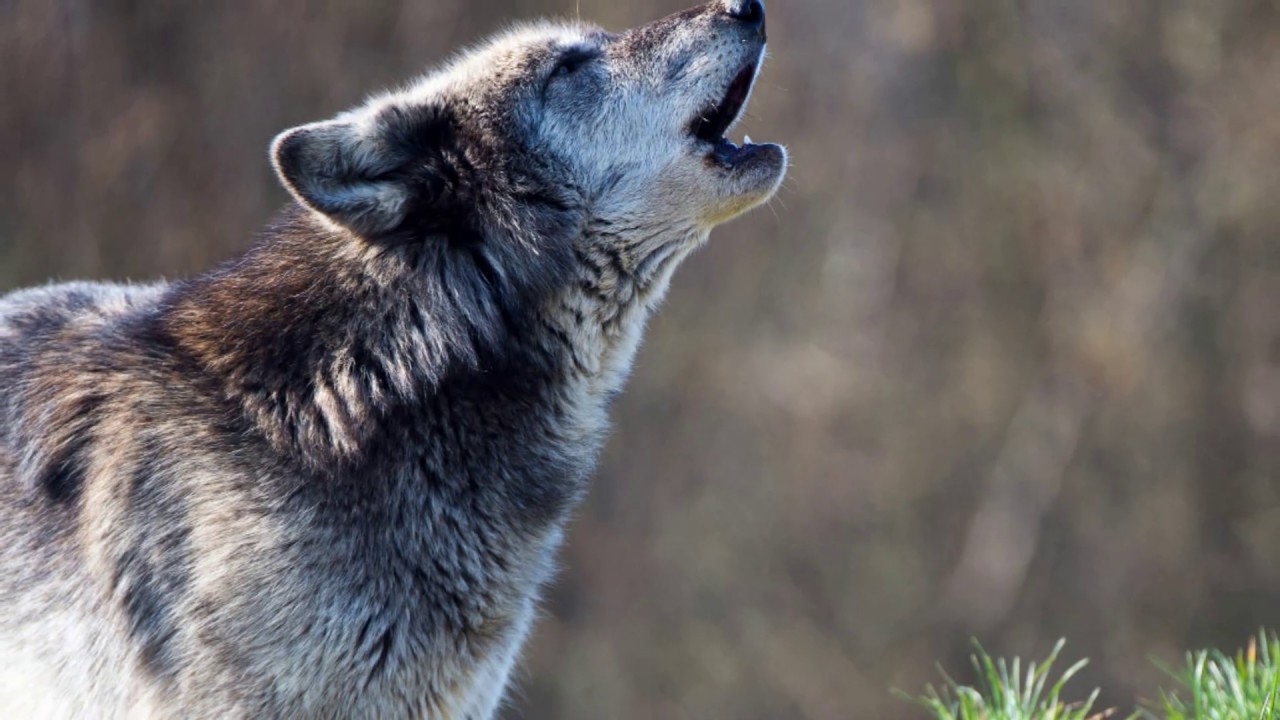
[{"x": 749, "y": 12}]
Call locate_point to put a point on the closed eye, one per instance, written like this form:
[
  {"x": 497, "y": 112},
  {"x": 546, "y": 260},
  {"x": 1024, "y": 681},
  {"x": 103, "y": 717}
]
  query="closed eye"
[{"x": 570, "y": 61}]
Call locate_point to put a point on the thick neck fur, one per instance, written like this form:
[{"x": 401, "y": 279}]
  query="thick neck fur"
[
  {"x": 320, "y": 337},
  {"x": 624, "y": 269}
]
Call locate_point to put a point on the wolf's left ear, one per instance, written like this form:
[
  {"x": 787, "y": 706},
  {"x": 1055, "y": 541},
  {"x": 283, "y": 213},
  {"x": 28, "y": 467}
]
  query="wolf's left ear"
[
  {"x": 337, "y": 170},
  {"x": 366, "y": 174}
]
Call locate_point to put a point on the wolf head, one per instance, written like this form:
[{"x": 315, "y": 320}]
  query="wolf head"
[{"x": 547, "y": 131}]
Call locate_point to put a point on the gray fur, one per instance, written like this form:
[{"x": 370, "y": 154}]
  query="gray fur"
[{"x": 328, "y": 478}]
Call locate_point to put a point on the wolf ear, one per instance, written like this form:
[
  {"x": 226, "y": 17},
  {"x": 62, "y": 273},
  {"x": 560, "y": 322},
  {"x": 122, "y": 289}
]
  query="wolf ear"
[
  {"x": 338, "y": 171},
  {"x": 370, "y": 174}
]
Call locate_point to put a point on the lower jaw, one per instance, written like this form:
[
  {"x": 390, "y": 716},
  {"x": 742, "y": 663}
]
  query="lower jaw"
[
  {"x": 751, "y": 178},
  {"x": 728, "y": 155}
]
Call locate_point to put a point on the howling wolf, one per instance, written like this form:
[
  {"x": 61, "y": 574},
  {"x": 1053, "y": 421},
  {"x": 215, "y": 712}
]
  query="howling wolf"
[{"x": 327, "y": 479}]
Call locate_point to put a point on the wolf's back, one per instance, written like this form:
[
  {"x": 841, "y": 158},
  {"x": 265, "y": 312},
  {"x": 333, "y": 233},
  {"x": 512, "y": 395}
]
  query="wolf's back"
[{"x": 61, "y": 348}]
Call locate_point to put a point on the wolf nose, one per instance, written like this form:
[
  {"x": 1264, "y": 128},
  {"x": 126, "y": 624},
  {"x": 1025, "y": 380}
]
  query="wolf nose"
[{"x": 750, "y": 12}]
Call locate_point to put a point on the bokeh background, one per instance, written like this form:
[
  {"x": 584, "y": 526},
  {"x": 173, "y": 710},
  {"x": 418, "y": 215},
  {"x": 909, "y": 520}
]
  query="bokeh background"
[{"x": 1001, "y": 360}]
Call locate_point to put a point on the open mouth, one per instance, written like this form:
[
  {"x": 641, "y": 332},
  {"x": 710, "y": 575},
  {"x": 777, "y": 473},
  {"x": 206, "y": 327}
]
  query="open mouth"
[{"x": 711, "y": 124}]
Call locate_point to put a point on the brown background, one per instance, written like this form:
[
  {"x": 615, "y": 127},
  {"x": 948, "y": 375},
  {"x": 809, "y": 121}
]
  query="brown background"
[{"x": 1001, "y": 360}]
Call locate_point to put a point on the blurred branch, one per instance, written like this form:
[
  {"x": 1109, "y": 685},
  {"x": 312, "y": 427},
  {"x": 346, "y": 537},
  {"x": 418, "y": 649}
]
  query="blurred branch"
[{"x": 1108, "y": 334}]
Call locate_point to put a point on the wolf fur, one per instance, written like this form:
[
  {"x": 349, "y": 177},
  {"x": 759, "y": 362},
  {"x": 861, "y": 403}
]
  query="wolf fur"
[{"x": 328, "y": 478}]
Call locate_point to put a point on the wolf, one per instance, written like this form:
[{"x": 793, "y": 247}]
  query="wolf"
[{"x": 328, "y": 478}]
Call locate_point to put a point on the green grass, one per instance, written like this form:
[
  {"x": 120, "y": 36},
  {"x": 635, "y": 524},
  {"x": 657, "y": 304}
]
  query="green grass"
[
  {"x": 1004, "y": 692},
  {"x": 1216, "y": 686},
  {"x": 1211, "y": 686}
]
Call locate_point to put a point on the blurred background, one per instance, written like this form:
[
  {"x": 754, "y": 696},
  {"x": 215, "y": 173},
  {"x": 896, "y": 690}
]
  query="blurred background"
[{"x": 1002, "y": 360}]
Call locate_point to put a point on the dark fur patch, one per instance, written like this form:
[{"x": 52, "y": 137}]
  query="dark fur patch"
[
  {"x": 62, "y": 477},
  {"x": 382, "y": 651},
  {"x": 153, "y": 576},
  {"x": 442, "y": 180},
  {"x": 151, "y": 620},
  {"x": 41, "y": 321}
]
